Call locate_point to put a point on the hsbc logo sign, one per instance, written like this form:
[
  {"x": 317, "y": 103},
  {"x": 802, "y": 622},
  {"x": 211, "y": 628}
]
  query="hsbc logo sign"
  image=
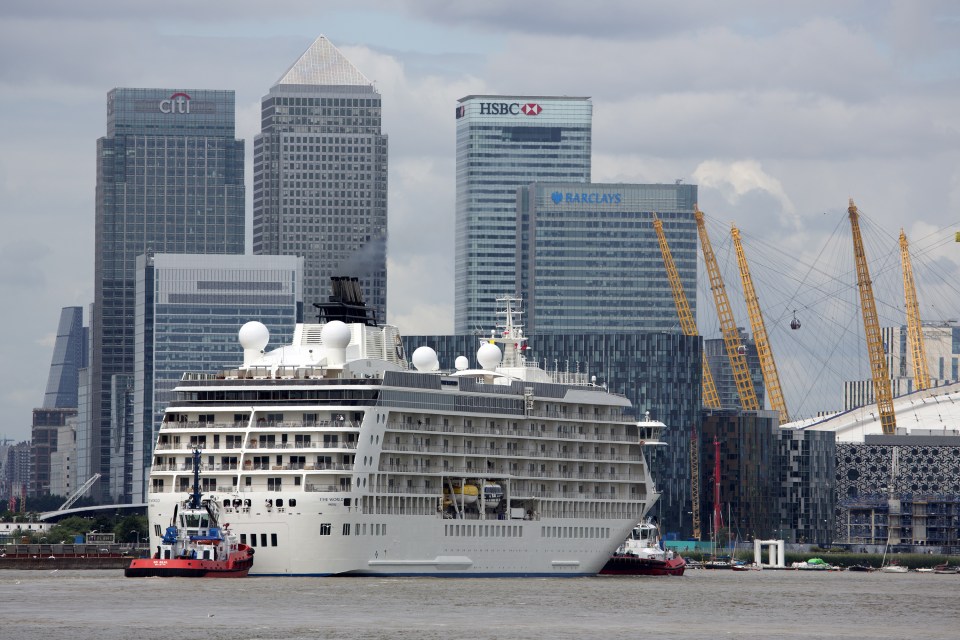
[{"x": 510, "y": 109}]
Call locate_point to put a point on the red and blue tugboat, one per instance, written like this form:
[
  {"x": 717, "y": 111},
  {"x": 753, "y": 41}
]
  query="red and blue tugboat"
[
  {"x": 195, "y": 545},
  {"x": 642, "y": 554}
]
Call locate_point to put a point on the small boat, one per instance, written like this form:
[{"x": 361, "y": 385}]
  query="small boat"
[
  {"x": 927, "y": 570},
  {"x": 861, "y": 568},
  {"x": 642, "y": 554},
  {"x": 465, "y": 494},
  {"x": 492, "y": 495},
  {"x": 742, "y": 566},
  {"x": 894, "y": 568},
  {"x": 195, "y": 545},
  {"x": 945, "y": 569}
]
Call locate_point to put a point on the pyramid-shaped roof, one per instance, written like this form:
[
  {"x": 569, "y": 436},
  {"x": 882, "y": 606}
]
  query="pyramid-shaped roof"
[{"x": 323, "y": 64}]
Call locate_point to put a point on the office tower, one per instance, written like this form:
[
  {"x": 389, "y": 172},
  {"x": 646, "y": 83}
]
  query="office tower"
[
  {"x": 169, "y": 179},
  {"x": 504, "y": 143},
  {"x": 320, "y": 175},
  {"x": 69, "y": 356},
  {"x": 189, "y": 310},
  {"x": 588, "y": 258}
]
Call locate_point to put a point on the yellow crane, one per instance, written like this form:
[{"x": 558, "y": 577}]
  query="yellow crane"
[
  {"x": 687, "y": 324},
  {"x": 871, "y": 327},
  {"x": 914, "y": 328},
  {"x": 710, "y": 396},
  {"x": 768, "y": 366},
  {"x": 731, "y": 337}
]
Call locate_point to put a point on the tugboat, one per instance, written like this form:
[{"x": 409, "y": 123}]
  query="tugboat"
[
  {"x": 195, "y": 545},
  {"x": 642, "y": 554}
]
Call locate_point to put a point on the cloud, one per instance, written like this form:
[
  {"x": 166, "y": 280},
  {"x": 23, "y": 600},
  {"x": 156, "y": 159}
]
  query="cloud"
[{"x": 737, "y": 178}]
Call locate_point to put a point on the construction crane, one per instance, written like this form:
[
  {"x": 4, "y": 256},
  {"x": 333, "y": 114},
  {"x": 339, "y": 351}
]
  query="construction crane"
[
  {"x": 768, "y": 366},
  {"x": 687, "y": 324},
  {"x": 871, "y": 327},
  {"x": 710, "y": 396},
  {"x": 914, "y": 328},
  {"x": 731, "y": 337}
]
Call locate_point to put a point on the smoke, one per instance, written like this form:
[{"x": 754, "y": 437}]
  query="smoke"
[{"x": 368, "y": 259}]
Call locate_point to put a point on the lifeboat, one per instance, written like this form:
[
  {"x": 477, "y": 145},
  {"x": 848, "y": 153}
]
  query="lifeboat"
[
  {"x": 464, "y": 494},
  {"x": 492, "y": 496}
]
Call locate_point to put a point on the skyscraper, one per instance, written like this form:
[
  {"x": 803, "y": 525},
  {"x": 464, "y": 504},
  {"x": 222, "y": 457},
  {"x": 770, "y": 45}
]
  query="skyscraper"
[
  {"x": 320, "y": 175},
  {"x": 189, "y": 311},
  {"x": 69, "y": 356},
  {"x": 169, "y": 179},
  {"x": 503, "y": 143},
  {"x": 588, "y": 259}
]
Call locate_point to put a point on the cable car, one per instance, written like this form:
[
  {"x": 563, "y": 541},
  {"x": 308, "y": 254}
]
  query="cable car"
[
  {"x": 794, "y": 324},
  {"x": 742, "y": 350}
]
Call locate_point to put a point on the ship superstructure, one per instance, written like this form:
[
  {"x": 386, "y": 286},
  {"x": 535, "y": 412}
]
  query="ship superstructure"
[{"x": 331, "y": 456}]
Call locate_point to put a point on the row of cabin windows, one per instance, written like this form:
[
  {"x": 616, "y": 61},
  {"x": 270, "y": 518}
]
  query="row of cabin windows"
[
  {"x": 306, "y": 418},
  {"x": 263, "y": 539}
]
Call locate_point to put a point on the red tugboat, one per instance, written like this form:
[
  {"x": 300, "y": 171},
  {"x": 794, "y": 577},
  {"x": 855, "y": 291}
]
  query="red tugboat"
[
  {"x": 642, "y": 555},
  {"x": 195, "y": 545}
]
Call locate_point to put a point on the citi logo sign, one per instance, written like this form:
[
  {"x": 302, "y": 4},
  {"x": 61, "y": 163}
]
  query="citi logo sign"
[
  {"x": 509, "y": 108},
  {"x": 177, "y": 103}
]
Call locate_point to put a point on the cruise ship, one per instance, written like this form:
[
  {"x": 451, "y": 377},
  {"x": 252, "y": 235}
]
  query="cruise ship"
[{"x": 333, "y": 456}]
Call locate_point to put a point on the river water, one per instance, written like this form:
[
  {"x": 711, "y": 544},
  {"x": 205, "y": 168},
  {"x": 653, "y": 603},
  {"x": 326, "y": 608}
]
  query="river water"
[{"x": 104, "y": 605}]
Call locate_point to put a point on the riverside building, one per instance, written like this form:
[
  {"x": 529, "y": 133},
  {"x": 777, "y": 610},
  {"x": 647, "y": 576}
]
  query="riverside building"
[{"x": 320, "y": 175}]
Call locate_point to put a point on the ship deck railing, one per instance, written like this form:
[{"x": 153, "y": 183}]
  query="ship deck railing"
[
  {"x": 516, "y": 475},
  {"x": 189, "y": 446},
  {"x": 500, "y": 452},
  {"x": 481, "y": 430},
  {"x": 262, "y": 424}
]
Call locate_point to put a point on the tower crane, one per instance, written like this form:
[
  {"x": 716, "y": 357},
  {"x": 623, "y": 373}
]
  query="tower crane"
[
  {"x": 731, "y": 338},
  {"x": 687, "y": 324},
  {"x": 871, "y": 327},
  {"x": 914, "y": 327},
  {"x": 710, "y": 396},
  {"x": 768, "y": 366}
]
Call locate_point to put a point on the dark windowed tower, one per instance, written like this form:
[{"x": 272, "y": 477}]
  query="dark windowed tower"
[
  {"x": 170, "y": 180},
  {"x": 320, "y": 175}
]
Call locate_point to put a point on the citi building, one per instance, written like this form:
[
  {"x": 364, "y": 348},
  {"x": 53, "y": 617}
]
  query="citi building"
[
  {"x": 504, "y": 143},
  {"x": 169, "y": 180}
]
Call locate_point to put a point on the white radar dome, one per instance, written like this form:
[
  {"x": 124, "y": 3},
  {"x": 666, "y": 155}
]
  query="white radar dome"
[
  {"x": 425, "y": 359},
  {"x": 461, "y": 363},
  {"x": 488, "y": 355},
  {"x": 335, "y": 335},
  {"x": 254, "y": 335}
]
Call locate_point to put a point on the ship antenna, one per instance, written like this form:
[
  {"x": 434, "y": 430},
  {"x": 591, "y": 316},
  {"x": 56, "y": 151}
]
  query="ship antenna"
[{"x": 195, "y": 496}]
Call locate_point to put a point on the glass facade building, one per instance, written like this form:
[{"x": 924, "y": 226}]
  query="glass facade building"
[
  {"x": 189, "y": 310},
  {"x": 588, "y": 258},
  {"x": 169, "y": 179},
  {"x": 504, "y": 143},
  {"x": 658, "y": 372},
  {"x": 715, "y": 351},
  {"x": 69, "y": 356},
  {"x": 320, "y": 175}
]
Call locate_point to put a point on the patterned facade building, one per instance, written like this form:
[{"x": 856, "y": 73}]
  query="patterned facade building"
[
  {"x": 901, "y": 489},
  {"x": 715, "y": 351},
  {"x": 320, "y": 175}
]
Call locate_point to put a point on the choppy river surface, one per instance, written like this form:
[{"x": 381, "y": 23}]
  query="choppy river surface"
[{"x": 702, "y": 604}]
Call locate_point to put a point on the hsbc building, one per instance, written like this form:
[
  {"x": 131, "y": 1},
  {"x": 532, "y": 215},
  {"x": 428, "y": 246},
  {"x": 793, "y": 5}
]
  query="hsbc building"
[{"x": 504, "y": 143}]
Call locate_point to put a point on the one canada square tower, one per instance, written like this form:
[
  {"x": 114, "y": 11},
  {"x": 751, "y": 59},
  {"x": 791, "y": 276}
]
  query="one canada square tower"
[{"x": 320, "y": 175}]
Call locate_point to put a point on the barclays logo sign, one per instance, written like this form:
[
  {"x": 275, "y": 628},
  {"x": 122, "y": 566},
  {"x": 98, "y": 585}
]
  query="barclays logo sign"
[{"x": 585, "y": 198}]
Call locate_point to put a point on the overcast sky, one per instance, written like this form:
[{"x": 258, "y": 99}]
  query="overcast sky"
[{"x": 780, "y": 112}]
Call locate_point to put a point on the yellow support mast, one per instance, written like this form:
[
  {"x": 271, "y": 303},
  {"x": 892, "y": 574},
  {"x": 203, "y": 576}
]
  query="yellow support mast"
[
  {"x": 711, "y": 398},
  {"x": 771, "y": 379},
  {"x": 731, "y": 338},
  {"x": 688, "y": 325},
  {"x": 918, "y": 350},
  {"x": 871, "y": 327}
]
